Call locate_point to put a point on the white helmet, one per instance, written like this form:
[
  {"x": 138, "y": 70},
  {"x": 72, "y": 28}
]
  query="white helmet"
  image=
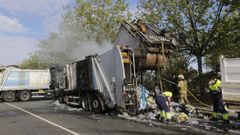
[
  {"x": 180, "y": 77},
  {"x": 211, "y": 82}
]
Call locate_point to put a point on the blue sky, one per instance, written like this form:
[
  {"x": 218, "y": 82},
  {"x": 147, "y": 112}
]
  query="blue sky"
[{"x": 23, "y": 23}]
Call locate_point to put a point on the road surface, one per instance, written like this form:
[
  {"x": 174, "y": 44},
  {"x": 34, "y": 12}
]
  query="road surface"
[{"x": 45, "y": 118}]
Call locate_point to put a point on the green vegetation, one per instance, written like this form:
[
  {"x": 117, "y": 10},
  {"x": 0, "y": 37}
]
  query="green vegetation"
[
  {"x": 201, "y": 26},
  {"x": 101, "y": 18}
]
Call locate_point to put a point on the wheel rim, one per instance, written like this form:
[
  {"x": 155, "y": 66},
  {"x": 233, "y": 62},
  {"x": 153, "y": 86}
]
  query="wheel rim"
[
  {"x": 96, "y": 104},
  {"x": 25, "y": 95},
  {"x": 84, "y": 103},
  {"x": 9, "y": 96}
]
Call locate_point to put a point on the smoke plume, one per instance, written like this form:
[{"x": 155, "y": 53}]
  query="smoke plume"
[{"x": 70, "y": 44}]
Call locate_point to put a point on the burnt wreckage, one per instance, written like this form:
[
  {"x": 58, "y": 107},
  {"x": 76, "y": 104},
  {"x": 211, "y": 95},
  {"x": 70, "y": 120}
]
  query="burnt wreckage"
[{"x": 109, "y": 80}]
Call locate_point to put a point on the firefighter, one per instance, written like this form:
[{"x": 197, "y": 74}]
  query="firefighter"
[
  {"x": 164, "y": 104},
  {"x": 218, "y": 105},
  {"x": 182, "y": 90}
]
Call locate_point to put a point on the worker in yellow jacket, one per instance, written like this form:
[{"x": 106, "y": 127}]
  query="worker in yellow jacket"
[
  {"x": 164, "y": 103},
  {"x": 218, "y": 105},
  {"x": 182, "y": 90}
]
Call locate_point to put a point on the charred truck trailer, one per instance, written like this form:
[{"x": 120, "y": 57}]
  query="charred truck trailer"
[
  {"x": 23, "y": 84},
  {"x": 109, "y": 80}
]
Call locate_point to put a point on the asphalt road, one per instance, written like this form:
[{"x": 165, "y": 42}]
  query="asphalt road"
[{"x": 45, "y": 118}]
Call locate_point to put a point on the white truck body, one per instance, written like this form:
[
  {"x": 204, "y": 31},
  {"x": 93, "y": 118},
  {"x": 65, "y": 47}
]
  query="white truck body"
[
  {"x": 24, "y": 79},
  {"x": 24, "y": 84},
  {"x": 230, "y": 76}
]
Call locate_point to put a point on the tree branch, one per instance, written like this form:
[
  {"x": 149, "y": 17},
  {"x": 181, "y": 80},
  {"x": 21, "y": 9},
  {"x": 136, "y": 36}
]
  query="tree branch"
[
  {"x": 215, "y": 25},
  {"x": 193, "y": 26}
]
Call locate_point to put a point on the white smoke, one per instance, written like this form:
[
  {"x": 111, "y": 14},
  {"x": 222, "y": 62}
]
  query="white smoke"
[{"x": 70, "y": 44}]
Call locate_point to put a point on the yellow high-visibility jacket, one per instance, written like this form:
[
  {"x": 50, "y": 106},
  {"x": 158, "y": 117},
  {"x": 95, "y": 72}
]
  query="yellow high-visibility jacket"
[{"x": 215, "y": 86}]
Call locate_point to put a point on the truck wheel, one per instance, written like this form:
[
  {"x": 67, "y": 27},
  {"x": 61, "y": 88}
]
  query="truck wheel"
[
  {"x": 9, "y": 96},
  {"x": 25, "y": 95},
  {"x": 97, "y": 104},
  {"x": 84, "y": 104}
]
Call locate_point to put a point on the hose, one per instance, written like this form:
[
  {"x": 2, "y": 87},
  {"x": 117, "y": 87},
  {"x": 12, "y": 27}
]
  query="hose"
[
  {"x": 189, "y": 93},
  {"x": 198, "y": 99}
]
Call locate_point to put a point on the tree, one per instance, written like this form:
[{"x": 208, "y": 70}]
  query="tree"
[
  {"x": 101, "y": 18},
  {"x": 229, "y": 43},
  {"x": 200, "y": 26},
  {"x": 33, "y": 63},
  {"x": 196, "y": 23}
]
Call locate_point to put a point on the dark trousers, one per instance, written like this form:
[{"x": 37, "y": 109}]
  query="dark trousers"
[{"x": 218, "y": 105}]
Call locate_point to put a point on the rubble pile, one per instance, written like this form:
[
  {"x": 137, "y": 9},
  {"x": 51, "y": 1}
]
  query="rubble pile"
[
  {"x": 185, "y": 114},
  {"x": 148, "y": 108}
]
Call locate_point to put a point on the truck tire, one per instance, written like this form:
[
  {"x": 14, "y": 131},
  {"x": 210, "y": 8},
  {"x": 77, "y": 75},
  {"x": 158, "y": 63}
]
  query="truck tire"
[
  {"x": 97, "y": 104},
  {"x": 24, "y": 95},
  {"x": 85, "y": 103},
  {"x": 9, "y": 96}
]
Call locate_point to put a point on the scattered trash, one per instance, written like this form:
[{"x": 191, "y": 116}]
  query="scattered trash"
[
  {"x": 151, "y": 116},
  {"x": 182, "y": 117},
  {"x": 142, "y": 95},
  {"x": 193, "y": 122},
  {"x": 141, "y": 116},
  {"x": 206, "y": 126},
  {"x": 107, "y": 114},
  {"x": 234, "y": 132},
  {"x": 59, "y": 106},
  {"x": 150, "y": 124},
  {"x": 129, "y": 125},
  {"x": 200, "y": 116},
  {"x": 95, "y": 117},
  {"x": 219, "y": 130},
  {"x": 180, "y": 113}
]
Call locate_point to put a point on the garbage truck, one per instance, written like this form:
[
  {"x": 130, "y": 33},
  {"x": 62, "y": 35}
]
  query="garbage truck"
[
  {"x": 230, "y": 76},
  {"x": 24, "y": 84},
  {"x": 110, "y": 80}
]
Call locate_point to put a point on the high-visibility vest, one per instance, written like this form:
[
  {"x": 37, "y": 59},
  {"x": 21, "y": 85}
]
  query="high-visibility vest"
[{"x": 215, "y": 86}]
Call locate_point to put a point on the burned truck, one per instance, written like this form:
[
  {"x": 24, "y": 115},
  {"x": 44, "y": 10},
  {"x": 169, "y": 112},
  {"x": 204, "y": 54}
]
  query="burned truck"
[{"x": 110, "y": 80}]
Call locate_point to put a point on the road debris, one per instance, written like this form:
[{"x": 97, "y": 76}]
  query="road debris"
[{"x": 185, "y": 117}]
